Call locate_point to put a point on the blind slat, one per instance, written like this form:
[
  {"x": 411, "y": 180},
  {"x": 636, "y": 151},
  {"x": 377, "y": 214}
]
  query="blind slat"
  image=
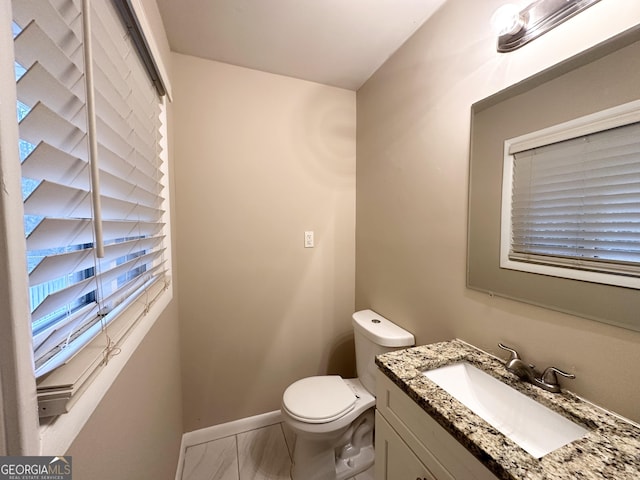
[
  {"x": 59, "y": 23},
  {"x": 146, "y": 179},
  {"x": 46, "y": 337},
  {"x": 581, "y": 171},
  {"x": 48, "y": 163},
  {"x": 57, "y": 265},
  {"x": 33, "y": 44},
  {"x": 106, "y": 91},
  {"x": 37, "y": 84},
  {"x": 65, "y": 296},
  {"x": 62, "y": 297},
  {"x": 88, "y": 330},
  {"x": 58, "y": 232},
  {"x": 54, "y": 200},
  {"x": 44, "y": 125}
]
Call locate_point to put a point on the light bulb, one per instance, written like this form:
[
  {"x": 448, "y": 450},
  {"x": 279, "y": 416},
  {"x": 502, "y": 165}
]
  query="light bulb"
[{"x": 506, "y": 20}]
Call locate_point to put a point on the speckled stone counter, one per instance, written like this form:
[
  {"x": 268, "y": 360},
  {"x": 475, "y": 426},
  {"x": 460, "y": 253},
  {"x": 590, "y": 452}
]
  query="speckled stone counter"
[{"x": 611, "y": 449}]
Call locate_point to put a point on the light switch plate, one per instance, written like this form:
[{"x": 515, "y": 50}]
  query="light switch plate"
[{"x": 308, "y": 239}]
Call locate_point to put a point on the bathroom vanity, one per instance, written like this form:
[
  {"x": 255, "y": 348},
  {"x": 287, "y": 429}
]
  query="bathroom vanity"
[
  {"x": 425, "y": 433},
  {"x": 410, "y": 444}
]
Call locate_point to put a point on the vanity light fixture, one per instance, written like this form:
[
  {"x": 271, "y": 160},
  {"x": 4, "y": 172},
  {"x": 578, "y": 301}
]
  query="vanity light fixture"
[{"x": 516, "y": 28}]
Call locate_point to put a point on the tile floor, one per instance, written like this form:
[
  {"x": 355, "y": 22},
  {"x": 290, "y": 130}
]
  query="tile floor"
[{"x": 261, "y": 454}]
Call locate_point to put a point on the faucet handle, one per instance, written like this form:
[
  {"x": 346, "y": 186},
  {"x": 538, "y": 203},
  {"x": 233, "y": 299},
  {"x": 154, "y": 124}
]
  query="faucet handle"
[
  {"x": 549, "y": 375},
  {"x": 514, "y": 354}
]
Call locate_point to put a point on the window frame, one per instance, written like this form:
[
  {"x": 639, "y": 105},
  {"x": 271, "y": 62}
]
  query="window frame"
[{"x": 617, "y": 116}]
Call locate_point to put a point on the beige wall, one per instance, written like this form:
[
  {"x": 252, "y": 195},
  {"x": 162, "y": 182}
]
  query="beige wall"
[
  {"x": 260, "y": 158},
  {"x": 136, "y": 430},
  {"x": 413, "y": 145}
]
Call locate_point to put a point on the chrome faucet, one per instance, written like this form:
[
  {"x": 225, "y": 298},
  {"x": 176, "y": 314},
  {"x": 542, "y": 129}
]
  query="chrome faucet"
[{"x": 546, "y": 380}]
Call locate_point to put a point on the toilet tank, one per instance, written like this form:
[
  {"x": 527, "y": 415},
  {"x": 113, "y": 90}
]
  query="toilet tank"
[{"x": 373, "y": 336}]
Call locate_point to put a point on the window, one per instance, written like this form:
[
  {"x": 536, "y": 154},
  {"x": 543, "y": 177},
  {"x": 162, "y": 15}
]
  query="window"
[
  {"x": 93, "y": 182},
  {"x": 571, "y": 199}
]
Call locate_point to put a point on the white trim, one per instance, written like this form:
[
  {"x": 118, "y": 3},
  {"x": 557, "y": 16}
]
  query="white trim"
[
  {"x": 506, "y": 232},
  {"x": 578, "y": 127},
  {"x": 223, "y": 430},
  {"x": 606, "y": 119},
  {"x": 570, "y": 273},
  {"x": 18, "y": 425},
  {"x": 235, "y": 427}
]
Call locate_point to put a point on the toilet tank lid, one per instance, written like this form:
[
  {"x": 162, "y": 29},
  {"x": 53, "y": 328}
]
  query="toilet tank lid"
[{"x": 381, "y": 331}]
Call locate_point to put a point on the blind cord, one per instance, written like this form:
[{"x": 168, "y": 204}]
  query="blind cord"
[{"x": 110, "y": 349}]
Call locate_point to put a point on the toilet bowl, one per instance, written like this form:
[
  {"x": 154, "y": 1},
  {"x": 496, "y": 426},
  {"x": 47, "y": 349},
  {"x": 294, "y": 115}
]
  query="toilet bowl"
[
  {"x": 332, "y": 417},
  {"x": 330, "y": 443}
]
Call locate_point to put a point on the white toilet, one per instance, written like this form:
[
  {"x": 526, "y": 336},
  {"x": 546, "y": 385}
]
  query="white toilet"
[{"x": 332, "y": 417}]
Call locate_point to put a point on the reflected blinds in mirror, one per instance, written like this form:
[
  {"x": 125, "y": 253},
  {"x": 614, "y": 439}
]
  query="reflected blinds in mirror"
[{"x": 576, "y": 203}]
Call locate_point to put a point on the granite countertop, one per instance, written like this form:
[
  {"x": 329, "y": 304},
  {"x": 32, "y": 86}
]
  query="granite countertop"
[{"x": 611, "y": 449}]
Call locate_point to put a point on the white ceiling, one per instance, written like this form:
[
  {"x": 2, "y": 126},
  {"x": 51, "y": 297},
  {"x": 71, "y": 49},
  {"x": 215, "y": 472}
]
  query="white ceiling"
[{"x": 334, "y": 42}]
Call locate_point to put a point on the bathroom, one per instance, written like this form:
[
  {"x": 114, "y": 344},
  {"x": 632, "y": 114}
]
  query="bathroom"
[{"x": 380, "y": 175}]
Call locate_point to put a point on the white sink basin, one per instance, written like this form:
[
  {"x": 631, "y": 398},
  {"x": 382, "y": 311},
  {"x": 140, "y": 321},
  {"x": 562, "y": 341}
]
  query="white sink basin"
[{"x": 531, "y": 425}]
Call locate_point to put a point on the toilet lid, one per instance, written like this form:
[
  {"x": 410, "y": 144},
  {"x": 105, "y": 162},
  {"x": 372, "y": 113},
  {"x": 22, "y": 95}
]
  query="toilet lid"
[{"x": 318, "y": 399}]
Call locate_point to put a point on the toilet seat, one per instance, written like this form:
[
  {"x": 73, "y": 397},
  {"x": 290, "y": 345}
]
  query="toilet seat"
[{"x": 319, "y": 399}]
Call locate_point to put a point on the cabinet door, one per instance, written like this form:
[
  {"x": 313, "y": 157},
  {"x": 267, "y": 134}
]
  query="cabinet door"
[{"x": 394, "y": 459}]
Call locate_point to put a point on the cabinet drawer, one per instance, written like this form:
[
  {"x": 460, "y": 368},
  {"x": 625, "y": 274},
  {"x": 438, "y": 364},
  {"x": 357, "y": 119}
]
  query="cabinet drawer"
[{"x": 432, "y": 444}]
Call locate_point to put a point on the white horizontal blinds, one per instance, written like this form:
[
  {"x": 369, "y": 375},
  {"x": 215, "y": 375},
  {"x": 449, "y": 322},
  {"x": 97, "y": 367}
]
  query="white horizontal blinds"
[
  {"x": 576, "y": 203},
  {"x": 74, "y": 294},
  {"x": 53, "y": 118},
  {"x": 128, "y": 125}
]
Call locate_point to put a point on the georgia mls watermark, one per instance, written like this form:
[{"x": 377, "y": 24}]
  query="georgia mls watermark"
[{"x": 35, "y": 468}]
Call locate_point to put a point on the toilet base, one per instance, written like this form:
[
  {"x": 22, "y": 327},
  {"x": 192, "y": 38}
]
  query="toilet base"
[
  {"x": 343, "y": 456},
  {"x": 350, "y": 468}
]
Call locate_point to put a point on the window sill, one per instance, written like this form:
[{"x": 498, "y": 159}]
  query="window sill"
[{"x": 57, "y": 435}]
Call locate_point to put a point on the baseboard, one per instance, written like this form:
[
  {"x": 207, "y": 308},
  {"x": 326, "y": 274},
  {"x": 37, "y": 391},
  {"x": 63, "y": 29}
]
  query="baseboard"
[{"x": 215, "y": 432}]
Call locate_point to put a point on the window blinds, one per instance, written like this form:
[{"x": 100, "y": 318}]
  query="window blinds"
[
  {"x": 74, "y": 294},
  {"x": 576, "y": 203}
]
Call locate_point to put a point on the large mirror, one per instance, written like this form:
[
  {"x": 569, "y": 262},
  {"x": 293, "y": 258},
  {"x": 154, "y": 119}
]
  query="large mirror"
[{"x": 602, "y": 78}]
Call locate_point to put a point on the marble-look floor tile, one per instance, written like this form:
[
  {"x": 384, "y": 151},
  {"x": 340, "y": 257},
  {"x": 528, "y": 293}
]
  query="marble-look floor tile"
[
  {"x": 217, "y": 460},
  {"x": 263, "y": 454}
]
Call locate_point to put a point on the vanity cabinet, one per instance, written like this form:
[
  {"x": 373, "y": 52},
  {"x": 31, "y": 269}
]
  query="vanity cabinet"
[{"x": 411, "y": 445}]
